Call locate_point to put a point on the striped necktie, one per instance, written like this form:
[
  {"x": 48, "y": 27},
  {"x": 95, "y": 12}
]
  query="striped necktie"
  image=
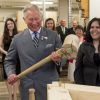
[{"x": 35, "y": 39}]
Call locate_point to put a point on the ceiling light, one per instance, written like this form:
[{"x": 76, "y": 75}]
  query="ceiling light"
[{"x": 39, "y": 2}]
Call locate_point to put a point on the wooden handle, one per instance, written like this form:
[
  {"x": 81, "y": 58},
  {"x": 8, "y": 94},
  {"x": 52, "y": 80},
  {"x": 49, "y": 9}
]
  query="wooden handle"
[
  {"x": 64, "y": 51},
  {"x": 34, "y": 67}
]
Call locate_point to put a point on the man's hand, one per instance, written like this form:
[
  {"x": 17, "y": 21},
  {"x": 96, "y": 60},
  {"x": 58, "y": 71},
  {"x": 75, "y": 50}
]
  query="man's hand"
[
  {"x": 55, "y": 56},
  {"x": 12, "y": 78}
]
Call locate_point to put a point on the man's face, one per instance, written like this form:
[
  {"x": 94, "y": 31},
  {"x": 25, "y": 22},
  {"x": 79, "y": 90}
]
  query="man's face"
[
  {"x": 75, "y": 24},
  {"x": 33, "y": 20},
  {"x": 63, "y": 23}
]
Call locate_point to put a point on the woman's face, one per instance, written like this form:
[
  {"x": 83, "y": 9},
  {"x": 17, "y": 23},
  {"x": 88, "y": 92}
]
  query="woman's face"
[
  {"x": 50, "y": 24},
  {"x": 10, "y": 25},
  {"x": 95, "y": 30},
  {"x": 79, "y": 32}
]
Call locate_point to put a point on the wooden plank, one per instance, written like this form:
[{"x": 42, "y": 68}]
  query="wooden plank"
[
  {"x": 72, "y": 92},
  {"x": 83, "y": 92},
  {"x": 58, "y": 93}
]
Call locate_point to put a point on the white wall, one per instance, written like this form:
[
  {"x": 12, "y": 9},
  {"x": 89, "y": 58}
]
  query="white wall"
[
  {"x": 16, "y": 13},
  {"x": 63, "y": 10},
  {"x": 94, "y": 8},
  {"x": 4, "y": 13},
  {"x": 52, "y": 14}
]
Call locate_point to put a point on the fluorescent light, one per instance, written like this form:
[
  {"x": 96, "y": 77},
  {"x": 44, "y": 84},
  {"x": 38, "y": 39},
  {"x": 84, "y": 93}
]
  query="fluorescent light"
[{"x": 39, "y": 2}]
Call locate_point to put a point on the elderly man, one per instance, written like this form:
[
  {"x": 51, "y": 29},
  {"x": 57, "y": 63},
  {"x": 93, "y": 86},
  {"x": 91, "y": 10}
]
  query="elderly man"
[
  {"x": 62, "y": 30},
  {"x": 72, "y": 29},
  {"x": 30, "y": 46}
]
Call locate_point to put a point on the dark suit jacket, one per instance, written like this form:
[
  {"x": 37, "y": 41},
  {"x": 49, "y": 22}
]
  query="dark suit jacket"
[
  {"x": 71, "y": 31},
  {"x": 60, "y": 32},
  {"x": 86, "y": 71}
]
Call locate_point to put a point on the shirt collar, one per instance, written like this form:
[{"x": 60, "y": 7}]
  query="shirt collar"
[
  {"x": 38, "y": 32},
  {"x": 62, "y": 27}
]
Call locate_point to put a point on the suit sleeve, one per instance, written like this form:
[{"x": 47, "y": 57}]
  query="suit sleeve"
[
  {"x": 78, "y": 73},
  {"x": 11, "y": 59}
]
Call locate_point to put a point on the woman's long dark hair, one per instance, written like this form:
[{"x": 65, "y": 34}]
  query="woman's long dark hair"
[
  {"x": 49, "y": 20},
  {"x": 88, "y": 34},
  {"x": 6, "y": 30}
]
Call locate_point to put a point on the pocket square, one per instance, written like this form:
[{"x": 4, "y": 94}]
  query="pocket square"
[{"x": 49, "y": 45}]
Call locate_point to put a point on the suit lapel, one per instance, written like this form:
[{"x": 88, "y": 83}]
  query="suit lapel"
[
  {"x": 28, "y": 35},
  {"x": 43, "y": 39},
  {"x": 61, "y": 30}
]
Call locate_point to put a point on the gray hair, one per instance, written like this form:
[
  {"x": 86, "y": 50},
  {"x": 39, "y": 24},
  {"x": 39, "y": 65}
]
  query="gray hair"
[{"x": 32, "y": 7}]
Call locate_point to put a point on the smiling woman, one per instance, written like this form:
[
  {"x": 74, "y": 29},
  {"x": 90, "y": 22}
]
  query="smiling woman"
[
  {"x": 10, "y": 30},
  {"x": 95, "y": 30},
  {"x": 87, "y": 70},
  {"x": 50, "y": 23}
]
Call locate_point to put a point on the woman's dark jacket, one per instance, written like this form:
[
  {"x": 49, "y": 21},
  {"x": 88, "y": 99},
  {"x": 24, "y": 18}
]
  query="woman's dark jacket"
[{"x": 86, "y": 71}]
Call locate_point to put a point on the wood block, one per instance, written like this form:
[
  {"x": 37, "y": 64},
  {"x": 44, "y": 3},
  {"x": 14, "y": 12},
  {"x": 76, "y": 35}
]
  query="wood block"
[
  {"x": 72, "y": 92},
  {"x": 4, "y": 95},
  {"x": 83, "y": 92},
  {"x": 31, "y": 94},
  {"x": 58, "y": 93}
]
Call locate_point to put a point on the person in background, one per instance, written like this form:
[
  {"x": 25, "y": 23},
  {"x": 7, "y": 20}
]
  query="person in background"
[
  {"x": 62, "y": 30},
  {"x": 72, "y": 29},
  {"x": 10, "y": 30},
  {"x": 74, "y": 40},
  {"x": 79, "y": 31},
  {"x": 85, "y": 24},
  {"x": 32, "y": 45},
  {"x": 87, "y": 71},
  {"x": 50, "y": 24}
]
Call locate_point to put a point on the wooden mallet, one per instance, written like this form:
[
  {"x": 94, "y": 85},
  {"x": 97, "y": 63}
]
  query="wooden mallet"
[{"x": 67, "y": 50}]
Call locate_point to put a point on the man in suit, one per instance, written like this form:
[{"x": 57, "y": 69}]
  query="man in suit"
[
  {"x": 62, "y": 30},
  {"x": 72, "y": 29},
  {"x": 31, "y": 46}
]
